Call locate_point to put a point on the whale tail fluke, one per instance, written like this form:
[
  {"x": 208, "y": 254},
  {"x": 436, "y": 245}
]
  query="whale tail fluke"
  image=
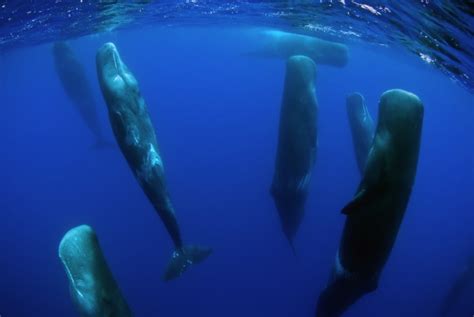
[
  {"x": 103, "y": 144},
  {"x": 292, "y": 246},
  {"x": 185, "y": 257}
]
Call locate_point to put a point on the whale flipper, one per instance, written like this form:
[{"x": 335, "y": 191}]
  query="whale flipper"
[
  {"x": 182, "y": 259},
  {"x": 374, "y": 182}
]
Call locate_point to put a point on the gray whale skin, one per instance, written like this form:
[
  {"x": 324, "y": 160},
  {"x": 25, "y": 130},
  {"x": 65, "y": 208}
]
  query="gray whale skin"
[
  {"x": 92, "y": 286},
  {"x": 134, "y": 132}
]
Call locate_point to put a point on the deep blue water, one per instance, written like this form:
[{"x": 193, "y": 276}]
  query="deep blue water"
[{"x": 216, "y": 117}]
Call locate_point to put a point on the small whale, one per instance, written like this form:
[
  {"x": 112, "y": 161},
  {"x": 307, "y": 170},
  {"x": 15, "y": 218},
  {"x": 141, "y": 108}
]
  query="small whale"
[
  {"x": 135, "y": 134},
  {"x": 279, "y": 44},
  {"x": 376, "y": 212},
  {"x": 297, "y": 144},
  {"x": 362, "y": 127},
  {"x": 93, "y": 288},
  {"x": 74, "y": 81}
]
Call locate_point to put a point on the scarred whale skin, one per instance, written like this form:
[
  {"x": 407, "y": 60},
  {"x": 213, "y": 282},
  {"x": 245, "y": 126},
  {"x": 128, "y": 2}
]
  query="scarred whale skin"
[
  {"x": 362, "y": 127},
  {"x": 92, "y": 286},
  {"x": 280, "y": 44},
  {"x": 135, "y": 134},
  {"x": 375, "y": 213},
  {"x": 297, "y": 143}
]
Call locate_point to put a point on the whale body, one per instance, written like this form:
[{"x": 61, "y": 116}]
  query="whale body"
[
  {"x": 362, "y": 128},
  {"x": 375, "y": 214},
  {"x": 280, "y": 44},
  {"x": 74, "y": 81},
  {"x": 135, "y": 134},
  {"x": 297, "y": 143}
]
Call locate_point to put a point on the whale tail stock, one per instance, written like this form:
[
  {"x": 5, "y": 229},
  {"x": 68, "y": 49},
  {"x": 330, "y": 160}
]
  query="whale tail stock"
[{"x": 183, "y": 258}]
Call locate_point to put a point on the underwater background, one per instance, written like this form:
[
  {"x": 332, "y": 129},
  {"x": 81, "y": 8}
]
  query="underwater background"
[{"x": 216, "y": 113}]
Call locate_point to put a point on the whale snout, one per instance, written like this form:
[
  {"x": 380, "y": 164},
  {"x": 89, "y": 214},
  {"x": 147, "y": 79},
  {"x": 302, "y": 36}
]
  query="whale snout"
[
  {"x": 108, "y": 51},
  {"x": 108, "y": 60},
  {"x": 114, "y": 77},
  {"x": 355, "y": 102}
]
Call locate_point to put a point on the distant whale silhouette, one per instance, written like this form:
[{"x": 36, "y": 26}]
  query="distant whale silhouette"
[
  {"x": 74, "y": 81},
  {"x": 279, "y": 44},
  {"x": 376, "y": 212},
  {"x": 362, "y": 127},
  {"x": 93, "y": 288},
  {"x": 462, "y": 281},
  {"x": 135, "y": 135},
  {"x": 297, "y": 143}
]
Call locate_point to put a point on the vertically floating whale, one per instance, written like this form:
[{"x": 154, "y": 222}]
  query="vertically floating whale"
[
  {"x": 279, "y": 44},
  {"x": 74, "y": 81},
  {"x": 297, "y": 143},
  {"x": 135, "y": 135},
  {"x": 462, "y": 282},
  {"x": 362, "y": 127},
  {"x": 92, "y": 286},
  {"x": 377, "y": 209}
]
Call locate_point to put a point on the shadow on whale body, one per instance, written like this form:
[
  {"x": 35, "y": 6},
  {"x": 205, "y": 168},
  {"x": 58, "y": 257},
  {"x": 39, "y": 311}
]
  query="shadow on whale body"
[
  {"x": 279, "y": 44},
  {"x": 134, "y": 132},
  {"x": 297, "y": 142},
  {"x": 74, "y": 81},
  {"x": 93, "y": 288},
  {"x": 375, "y": 213},
  {"x": 362, "y": 128}
]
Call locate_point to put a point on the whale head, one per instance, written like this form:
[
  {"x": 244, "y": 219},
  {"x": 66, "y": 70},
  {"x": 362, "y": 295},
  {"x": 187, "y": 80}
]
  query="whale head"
[
  {"x": 401, "y": 114},
  {"x": 119, "y": 86},
  {"x": 92, "y": 286},
  {"x": 355, "y": 105}
]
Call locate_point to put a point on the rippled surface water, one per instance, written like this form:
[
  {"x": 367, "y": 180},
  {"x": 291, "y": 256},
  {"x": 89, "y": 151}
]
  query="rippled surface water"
[{"x": 439, "y": 32}]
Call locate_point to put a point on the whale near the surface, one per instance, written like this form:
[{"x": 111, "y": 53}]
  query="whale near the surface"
[
  {"x": 135, "y": 134},
  {"x": 374, "y": 215},
  {"x": 297, "y": 144},
  {"x": 92, "y": 286},
  {"x": 280, "y": 44},
  {"x": 362, "y": 128}
]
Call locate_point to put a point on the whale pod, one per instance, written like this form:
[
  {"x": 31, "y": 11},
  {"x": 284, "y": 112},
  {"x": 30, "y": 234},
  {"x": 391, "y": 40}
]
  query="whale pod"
[{"x": 91, "y": 283}]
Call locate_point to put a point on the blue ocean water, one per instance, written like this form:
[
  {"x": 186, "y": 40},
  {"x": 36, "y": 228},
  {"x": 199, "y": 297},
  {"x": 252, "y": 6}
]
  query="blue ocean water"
[{"x": 216, "y": 115}]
